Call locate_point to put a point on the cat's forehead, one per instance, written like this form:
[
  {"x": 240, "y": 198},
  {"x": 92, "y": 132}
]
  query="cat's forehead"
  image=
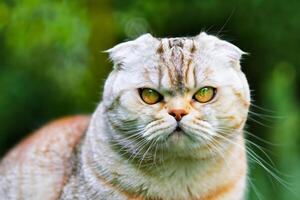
[
  {"x": 176, "y": 64},
  {"x": 175, "y": 51},
  {"x": 180, "y": 42},
  {"x": 175, "y": 60}
]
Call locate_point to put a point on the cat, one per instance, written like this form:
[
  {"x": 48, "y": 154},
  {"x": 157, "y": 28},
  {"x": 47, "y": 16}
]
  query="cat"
[{"x": 169, "y": 127}]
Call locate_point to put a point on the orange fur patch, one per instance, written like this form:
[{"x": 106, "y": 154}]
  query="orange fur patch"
[
  {"x": 79, "y": 124},
  {"x": 223, "y": 189}
]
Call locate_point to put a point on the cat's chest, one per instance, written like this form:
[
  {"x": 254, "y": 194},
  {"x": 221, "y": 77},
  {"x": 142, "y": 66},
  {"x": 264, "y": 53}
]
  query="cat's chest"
[{"x": 178, "y": 182}]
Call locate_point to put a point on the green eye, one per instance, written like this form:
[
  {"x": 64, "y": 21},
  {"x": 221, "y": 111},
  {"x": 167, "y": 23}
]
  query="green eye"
[
  {"x": 205, "y": 94},
  {"x": 150, "y": 96}
]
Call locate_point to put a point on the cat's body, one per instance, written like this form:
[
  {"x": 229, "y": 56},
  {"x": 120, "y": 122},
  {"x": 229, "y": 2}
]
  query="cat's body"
[
  {"x": 39, "y": 167},
  {"x": 131, "y": 150}
]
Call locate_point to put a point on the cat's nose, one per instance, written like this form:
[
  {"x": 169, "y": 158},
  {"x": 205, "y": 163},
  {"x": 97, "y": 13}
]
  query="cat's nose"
[{"x": 178, "y": 113}]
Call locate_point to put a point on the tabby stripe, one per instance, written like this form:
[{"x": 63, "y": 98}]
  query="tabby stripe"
[
  {"x": 160, "y": 51},
  {"x": 195, "y": 77},
  {"x": 189, "y": 62},
  {"x": 163, "y": 62}
]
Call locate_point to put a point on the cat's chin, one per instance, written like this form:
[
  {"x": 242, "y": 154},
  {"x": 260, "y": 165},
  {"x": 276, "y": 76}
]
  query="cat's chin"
[
  {"x": 180, "y": 146},
  {"x": 178, "y": 140},
  {"x": 176, "y": 136}
]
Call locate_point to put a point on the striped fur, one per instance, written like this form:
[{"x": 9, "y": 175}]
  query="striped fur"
[
  {"x": 131, "y": 150},
  {"x": 40, "y": 166}
]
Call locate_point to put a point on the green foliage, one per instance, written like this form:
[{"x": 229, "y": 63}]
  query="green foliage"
[
  {"x": 51, "y": 65},
  {"x": 43, "y": 64}
]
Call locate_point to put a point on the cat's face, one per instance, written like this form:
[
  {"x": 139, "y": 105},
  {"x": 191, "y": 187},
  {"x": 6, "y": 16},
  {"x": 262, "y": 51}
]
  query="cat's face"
[{"x": 185, "y": 94}]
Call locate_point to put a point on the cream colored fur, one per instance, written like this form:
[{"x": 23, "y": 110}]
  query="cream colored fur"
[{"x": 129, "y": 151}]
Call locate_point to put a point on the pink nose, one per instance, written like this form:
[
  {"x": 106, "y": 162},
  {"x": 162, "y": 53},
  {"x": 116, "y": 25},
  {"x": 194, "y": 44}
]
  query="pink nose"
[{"x": 178, "y": 113}]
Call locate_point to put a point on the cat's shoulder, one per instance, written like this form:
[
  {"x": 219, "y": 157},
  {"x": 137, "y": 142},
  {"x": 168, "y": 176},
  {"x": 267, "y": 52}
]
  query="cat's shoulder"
[
  {"x": 43, "y": 160},
  {"x": 59, "y": 135}
]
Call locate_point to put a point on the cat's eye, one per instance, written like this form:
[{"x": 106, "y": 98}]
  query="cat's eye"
[
  {"x": 205, "y": 94},
  {"x": 150, "y": 96}
]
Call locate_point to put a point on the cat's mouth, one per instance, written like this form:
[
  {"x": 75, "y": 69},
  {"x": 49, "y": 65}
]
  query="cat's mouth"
[
  {"x": 178, "y": 129},
  {"x": 178, "y": 132}
]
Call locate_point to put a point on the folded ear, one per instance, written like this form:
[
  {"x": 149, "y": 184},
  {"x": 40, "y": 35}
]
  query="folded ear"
[
  {"x": 123, "y": 52},
  {"x": 231, "y": 51},
  {"x": 222, "y": 48}
]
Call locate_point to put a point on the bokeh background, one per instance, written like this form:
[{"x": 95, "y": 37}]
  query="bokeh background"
[{"x": 52, "y": 65}]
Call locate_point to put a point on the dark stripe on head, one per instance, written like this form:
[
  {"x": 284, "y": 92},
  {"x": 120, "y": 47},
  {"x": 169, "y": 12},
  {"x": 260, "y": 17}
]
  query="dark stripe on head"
[
  {"x": 170, "y": 44},
  {"x": 177, "y": 59},
  {"x": 189, "y": 62},
  {"x": 193, "y": 49},
  {"x": 160, "y": 51},
  {"x": 195, "y": 77},
  {"x": 175, "y": 62}
]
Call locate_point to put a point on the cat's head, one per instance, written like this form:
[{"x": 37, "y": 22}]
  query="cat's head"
[{"x": 183, "y": 95}]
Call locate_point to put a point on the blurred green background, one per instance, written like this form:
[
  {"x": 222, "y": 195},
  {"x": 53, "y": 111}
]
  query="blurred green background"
[{"x": 51, "y": 65}]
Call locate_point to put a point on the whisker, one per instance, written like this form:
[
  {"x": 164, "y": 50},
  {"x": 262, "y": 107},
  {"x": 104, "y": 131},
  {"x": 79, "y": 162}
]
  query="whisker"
[
  {"x": 155, "y": 151},
  {"x": 230, "y": 130},
  {"x": 219, "y": 148},
  {"x": 258, "y": 122},
  {"x": 261, "y": 162},
  {"x": 260, "y": 139},
  {"x": 145, "y": 153},
  {"x": 262, "y": 109},
  {"x": 140, "y": 146},
  {"x": 262, "y": 149},
  {"x": 265, "y": 116},
  {"x": 256, "y": 192}
]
